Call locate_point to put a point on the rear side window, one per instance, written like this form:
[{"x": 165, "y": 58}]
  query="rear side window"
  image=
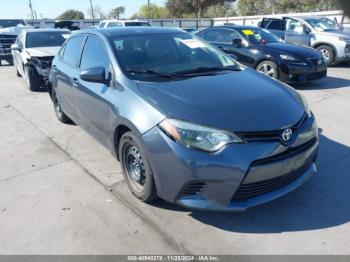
[
  {"x": 275, "y": 25},
  {"x": 94, "y": 54},
  {"x": 102, "y": 25},
  {"x": 72, "y": 50}
]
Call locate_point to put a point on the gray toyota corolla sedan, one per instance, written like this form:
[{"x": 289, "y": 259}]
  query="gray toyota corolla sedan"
[{"x": 186, "y": 122}]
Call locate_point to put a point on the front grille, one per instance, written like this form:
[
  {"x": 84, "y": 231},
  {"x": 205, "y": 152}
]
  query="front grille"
[
  {"x": 258, "y": 188},
  {"x": 248, "y": 190},
  {"x": 193, "y": 188},
  {"x": 7, "y": 40},
  {"x": 270, "y": 135}
]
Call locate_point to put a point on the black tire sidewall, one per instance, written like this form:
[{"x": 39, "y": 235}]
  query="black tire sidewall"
[
  {"x": 63, "y": 117},
  {"x": 149, "y": 192},
  {"x": 33, "y": 81}
]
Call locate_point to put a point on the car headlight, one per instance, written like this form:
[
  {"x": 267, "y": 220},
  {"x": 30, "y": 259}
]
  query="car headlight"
[
  {"x": 288, "y": 57},
  {"x": 345, "y": 39},
  {"x": 197, "y": 136},
  {"x": 305, "y": 104},
  {"x": 292, "y": 59}
]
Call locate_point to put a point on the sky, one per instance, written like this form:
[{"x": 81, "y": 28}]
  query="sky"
[{"x": 52, "y": 8}]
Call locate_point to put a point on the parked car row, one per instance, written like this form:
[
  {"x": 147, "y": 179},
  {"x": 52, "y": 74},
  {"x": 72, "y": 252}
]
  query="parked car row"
[
  {"x": 320, "y": 33},
  {"x": 187, "y": 122}
]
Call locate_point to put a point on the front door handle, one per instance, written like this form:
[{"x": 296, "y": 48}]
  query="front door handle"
[
  {"x": 75, "y": 82},
  {"x": 54, "y": 68}
]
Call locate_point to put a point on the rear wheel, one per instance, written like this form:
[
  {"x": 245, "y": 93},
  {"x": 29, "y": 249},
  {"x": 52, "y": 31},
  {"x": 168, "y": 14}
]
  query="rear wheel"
[
  {"x": 32, "y": 78},
  {"x": 136, "y": 168},
  {"x": 328, "y": 53},
  {"x": 268, "y": 68},
  {"x": 61, "y": 116}
]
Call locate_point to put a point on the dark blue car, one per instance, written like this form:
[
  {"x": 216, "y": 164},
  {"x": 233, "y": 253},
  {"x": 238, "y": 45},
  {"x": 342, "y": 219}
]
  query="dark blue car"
[{"x": 186, "y": 122}]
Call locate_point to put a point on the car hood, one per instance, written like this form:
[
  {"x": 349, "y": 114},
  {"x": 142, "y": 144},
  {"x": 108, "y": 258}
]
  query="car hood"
[
  {"x": 43, "y": 51},
  {"x": 336, "y": 33},
  {"x": 300, "y": 51},
  {"x": 242, "y": 101},
  {"x": 13, "y": 30}
]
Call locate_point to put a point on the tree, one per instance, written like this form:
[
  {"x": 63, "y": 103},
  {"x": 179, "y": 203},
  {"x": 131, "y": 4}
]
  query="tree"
[
  {"x": 181, "y": 8},
  {"x": 71, "y": 15},
  {"x": 225, "y": 10},
  {"x": 252, "y": 7},
  {"x": 155, "y": 12},
  {"x": 97, "y": 11},
  {"x": 117, "y": 12}
]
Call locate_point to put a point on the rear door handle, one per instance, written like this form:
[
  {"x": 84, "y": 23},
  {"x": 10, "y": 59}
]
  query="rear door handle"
[{"x": 75, "y": 82}]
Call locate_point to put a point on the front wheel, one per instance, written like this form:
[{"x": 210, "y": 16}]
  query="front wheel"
[
  {"x": 61, "y": 116},
  {"x": 136, "y": 168},
  {"x": 32, "y": 78},
  {"x": 327, "y": 53},
  {"x": 268, "y": 68}
]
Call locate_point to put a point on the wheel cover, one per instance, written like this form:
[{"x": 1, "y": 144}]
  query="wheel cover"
[
  {"x": 326, "y": 54},
  {"x": 134, "y": 167},
  {"x": 267, "y": 69}
]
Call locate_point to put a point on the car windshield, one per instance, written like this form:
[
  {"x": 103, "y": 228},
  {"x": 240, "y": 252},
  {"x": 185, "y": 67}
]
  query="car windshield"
[
  {"x": 258, "y": 36},
  {"x": 323, "y": 24},
  {"x": 168, "y": 55},
  {"x": 46, "y": 39},
  {"x": 10, "y": 23},
  {"x": 137, "y": 24}
]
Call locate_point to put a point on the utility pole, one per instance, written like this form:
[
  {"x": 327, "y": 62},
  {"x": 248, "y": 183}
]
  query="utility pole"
[
  {"x": 31, "y": 8},
  {"x": 149, "y": 9},
  {"x": 92, "y": 10}
]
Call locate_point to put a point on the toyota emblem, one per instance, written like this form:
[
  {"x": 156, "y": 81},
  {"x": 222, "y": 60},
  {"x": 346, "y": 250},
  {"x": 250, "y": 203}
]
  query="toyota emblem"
[{"x": 287, "y": 135}]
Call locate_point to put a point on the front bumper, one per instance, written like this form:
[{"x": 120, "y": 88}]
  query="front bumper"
[
  {"x": 236, "y": 178},
  {"x": 291, "y": 73}
]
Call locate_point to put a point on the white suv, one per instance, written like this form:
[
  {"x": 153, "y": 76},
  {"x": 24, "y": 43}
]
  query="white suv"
[{"x": 122, "y": 23}]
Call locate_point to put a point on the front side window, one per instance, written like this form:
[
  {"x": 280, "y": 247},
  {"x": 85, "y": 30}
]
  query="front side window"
[
  {"x": 114, "y": 24},
  {"x": 102, "y": 25},
  {"x": 322, "y": 24},
  {"x": 46, "y": 39},
  {"x": 295, "y": 26},
  {"x": 73, "y": 50},
  {"x": 257, "y": 36},
  {"x": 166, "y": 53},
  {"x": 94, "y": 54}
]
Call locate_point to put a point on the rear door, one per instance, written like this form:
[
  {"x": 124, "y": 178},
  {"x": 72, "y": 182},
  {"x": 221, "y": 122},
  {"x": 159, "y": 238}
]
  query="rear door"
[
  {"x": 66, "y": 72},
  {"x": 275, "y": 26},
  {"x": 297, "y": 32},
  {"x": 92, "y": 99},
  {"x": 17, "y": 59}
]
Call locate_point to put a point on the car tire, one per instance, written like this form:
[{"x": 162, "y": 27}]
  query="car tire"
[
  {"x": 32, "y": 78},
  {"x": 136, "y": 168},
  {"x": 18, "y": 73},
  {"x": 61, "y": 116},
  {"x": 328, "y": 53},
  {"x": 0, "y": 62},
  {"x": 10, "y": 61},
  {"x": 268, "y": 68}
]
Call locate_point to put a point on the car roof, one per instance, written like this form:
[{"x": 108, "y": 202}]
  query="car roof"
[
  {"x": 32, "y": 30},
  {"x": 137, "y": 30},
  {"x": 122, "y": 21},
  {"x": 294, "y": 17},
  {"x": 237, "y": 27}
]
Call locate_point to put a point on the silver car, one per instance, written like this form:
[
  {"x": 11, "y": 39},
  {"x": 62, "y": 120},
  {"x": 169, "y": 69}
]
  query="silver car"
[{"x": 320, "y": 33}]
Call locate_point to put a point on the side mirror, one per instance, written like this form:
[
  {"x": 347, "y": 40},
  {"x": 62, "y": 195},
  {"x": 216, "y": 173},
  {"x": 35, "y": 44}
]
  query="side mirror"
[
  {"x": 95, "y": 75},
  {"x": 237, "y": 42},
  {"x": 306, "y": 30},
  {"x": 15, "y": 47}
]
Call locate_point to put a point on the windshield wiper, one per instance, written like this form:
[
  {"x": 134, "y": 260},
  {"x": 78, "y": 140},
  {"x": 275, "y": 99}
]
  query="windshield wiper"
[
  {"x": 207, "y": 70},
  {"x": 152, "y": 72}
]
